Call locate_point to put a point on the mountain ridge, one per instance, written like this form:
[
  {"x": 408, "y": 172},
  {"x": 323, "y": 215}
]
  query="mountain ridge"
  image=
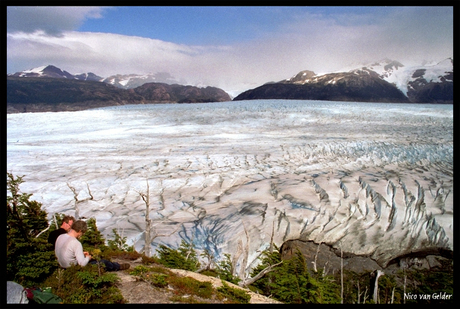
[
  {"x": 382, "y": 81},
  {"x": 45, "y": 94},
  {"x": 385, "y": 80},
  {"x": 124, "y": 81}
]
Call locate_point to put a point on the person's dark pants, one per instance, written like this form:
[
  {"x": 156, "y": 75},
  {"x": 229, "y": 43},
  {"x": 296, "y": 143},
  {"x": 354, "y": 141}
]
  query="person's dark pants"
[{"x": 109, "y": 266}]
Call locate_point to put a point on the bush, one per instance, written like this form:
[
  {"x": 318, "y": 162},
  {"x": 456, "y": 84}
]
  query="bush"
[
  {"x": 29, "y": 259},
  {"x": 139, "y": 271},
  {"x": 92, "y": 238},
  {"x": 225, "y": 270},
  {"x": 158, "y": 280},
  {"x": 291, "y": 282},
  {"x": 182, "y": 258},
  {"x": 119, "y": 243},
  {"x": 154, "y": 275},
  {"x": 190, "y": 286},
  {"x": 234, "y": 295},
  {"x": 84, "y": 285}
]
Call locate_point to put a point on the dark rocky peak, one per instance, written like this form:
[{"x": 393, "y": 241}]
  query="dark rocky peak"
[
  {"x": 55, "y": 72},
  {"x": 89, "y": 76},
  {"x": 301, "y": 77},
  {"x": 44, "y": 71}
]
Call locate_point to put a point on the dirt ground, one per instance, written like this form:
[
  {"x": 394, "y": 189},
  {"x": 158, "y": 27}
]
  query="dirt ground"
[{"x": 140, "y": 292}]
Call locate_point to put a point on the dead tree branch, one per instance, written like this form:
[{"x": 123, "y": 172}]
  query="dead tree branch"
[
  {"x": 148, "y": 221},
  {"x": 316, "y": 258},
  {"x": 260, "y": 275},
  {"x": 245, "y": 254},
  {"x": 77, "y": 201}
]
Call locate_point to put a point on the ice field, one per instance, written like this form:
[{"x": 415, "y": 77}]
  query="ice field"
[{"x": 370, "y": 178}]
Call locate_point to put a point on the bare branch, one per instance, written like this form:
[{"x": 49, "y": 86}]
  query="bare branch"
[
  {"x": 77, "y": 201},
  {"x": 316, "y": 258},
  {"x": 236, "y": 256},
  {"x": 43, "y": 231},
  {"x": 271, "y": 237},
  {"x": 89, "y": 192},
  {"x": 341, "y": 274},
  {"x": 260, "y": 275},
  {"x": 75, "y": 195},
  {"x": 55, "y": 221},
  {"x": 244, "y": 263},
  {"x": 148, "y": 221}
]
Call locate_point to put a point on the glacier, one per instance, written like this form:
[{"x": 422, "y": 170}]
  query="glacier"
[{"x": 372, "y": 179}]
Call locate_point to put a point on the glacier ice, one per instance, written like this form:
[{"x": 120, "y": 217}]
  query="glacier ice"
[{"x": 373, "y": 179}]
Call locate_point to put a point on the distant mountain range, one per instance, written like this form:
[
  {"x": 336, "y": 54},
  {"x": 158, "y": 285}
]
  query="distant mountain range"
[
  {"x": 124, "y": 81},
  {"x": 49, "y": 88},
  {"x": 54, "y": 72},
  {"x": 383, "y": 81}
]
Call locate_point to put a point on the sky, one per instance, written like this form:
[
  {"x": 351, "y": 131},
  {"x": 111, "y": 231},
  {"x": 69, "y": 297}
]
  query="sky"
[{"x": 233, "y": 48}]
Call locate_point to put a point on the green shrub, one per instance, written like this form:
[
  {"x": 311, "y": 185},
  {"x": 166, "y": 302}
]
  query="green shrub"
[
  {"x": 119, "y": 243},
  {"x": 29, "y": 259},
  {"x": 92, "y": 238},
  {"x": 149, "y": 260},
  {"x": 210, "y": 273},
  {"x": 190, "y": 286},
  {"x": 182, "y": 258},
  {"x": 139, "y": 270},
  {"x": 225, "y": 270},
  {"x": 154, "y": 275},
  {"x": 289, "y": 282},
  {"x": 234, "y": 295},
  {"x": 84, "y": 285},
  {"x": 158, "y": 280}
]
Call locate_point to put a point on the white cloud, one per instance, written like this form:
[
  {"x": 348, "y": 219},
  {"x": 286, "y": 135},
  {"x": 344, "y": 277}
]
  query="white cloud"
[{"x": 50, "y": 19}]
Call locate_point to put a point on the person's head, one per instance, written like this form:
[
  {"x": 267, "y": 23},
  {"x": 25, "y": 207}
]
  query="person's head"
[
  {"x": 80, "y": 227},
  {"x": 67, "y": 222}
]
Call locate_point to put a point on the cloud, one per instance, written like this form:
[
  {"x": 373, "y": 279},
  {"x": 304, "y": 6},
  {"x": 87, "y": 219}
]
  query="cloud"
[
  {"x": 51, "y": 20},
  {"x": 316, "y": 42},
  {"x": 103, "y": 51}
]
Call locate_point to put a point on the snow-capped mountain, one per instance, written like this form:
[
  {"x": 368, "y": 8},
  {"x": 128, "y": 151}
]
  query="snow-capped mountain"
[
  {"x": 426, "y": 83},
  {"x": 392, "y": 71},
  {"x": 55, "y": 72},
  {"x": 433, "y": 83},
  {"x": 129, "y": 81},
  {"x": 429, "y": 83},
  {"x": 88, "y": 76},
  {"x": 44, "y": 71},
  {"x": 125, "y": 81},
  {"x": 57, "y": 90},
  {"x": 411, "y": 78}
]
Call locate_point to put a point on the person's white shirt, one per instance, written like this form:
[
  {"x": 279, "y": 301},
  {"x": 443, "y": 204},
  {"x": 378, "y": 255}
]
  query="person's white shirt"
[{"x": 69, "y": 251}]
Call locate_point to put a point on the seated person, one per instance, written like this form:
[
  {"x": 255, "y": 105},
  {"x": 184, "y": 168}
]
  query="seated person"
[
  {"x": 67, "y": 222},
  {"x": 69, "y": 250}
]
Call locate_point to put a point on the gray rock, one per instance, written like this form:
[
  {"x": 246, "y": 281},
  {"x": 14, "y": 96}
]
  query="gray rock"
[{"x": 15, "y": 293}]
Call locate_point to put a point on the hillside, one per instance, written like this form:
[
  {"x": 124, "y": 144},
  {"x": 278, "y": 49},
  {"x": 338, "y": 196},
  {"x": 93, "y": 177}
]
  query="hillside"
[
  {"x": 382, "y": 81},
  {"x": 136, "y": 291},
  {"x": 161, "y": 92},
  {"x": 43, "y": 94},
  {"x": 139, "y": 291},
  {"x": 356, "y": 87}
]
